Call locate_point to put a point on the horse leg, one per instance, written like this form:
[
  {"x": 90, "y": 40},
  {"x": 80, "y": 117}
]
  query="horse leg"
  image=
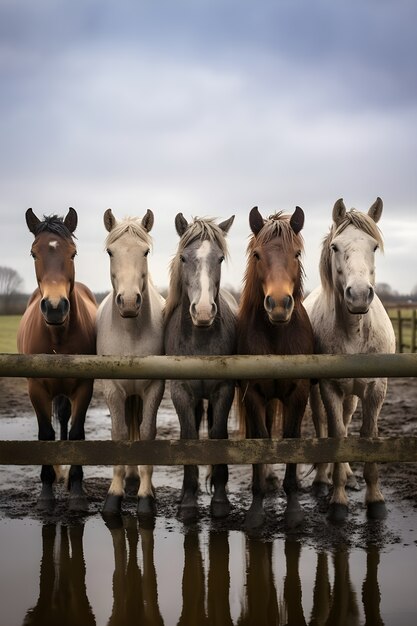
[
  {"x": 151, "y": 401},
  {"x": 349, "y": 407},
  {"x": 80, "y": 402},
  {"x": 43, "y": 409},
  {"x": 116, "y": 401},
  {"x": 333, "y": 399},
  {"x": 321, "y": 482},
  {"x": 371, "y": 406},
  {"x": 185, "y": 406},
  {"x": 273, "y": 415},
  {"x": 256, "y": 429},
  {"x": 220, "y": 402},
  {"x": 294, "y": 407}
]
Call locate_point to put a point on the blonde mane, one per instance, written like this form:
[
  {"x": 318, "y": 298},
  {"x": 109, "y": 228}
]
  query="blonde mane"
[
  {"x": 361, "y": 221},
  {"x": 132, "y": 226},
  {"x": 201, "y": 229}
]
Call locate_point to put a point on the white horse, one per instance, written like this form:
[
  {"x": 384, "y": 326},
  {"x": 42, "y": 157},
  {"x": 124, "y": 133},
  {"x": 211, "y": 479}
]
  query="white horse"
[
  {"x": 130, "y": 322},
  {"x": 348, "y": 318}
]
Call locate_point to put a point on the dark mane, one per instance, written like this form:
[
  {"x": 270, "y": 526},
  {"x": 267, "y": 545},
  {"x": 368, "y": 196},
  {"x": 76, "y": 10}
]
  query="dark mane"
[{"x": 54, "y": 224}]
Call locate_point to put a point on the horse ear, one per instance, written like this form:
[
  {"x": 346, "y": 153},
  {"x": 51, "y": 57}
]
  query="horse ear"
[
  {"x": 339, "y": 211},
  {"x": 256, "y": 221},
  {"x": 32, "y": 221},
  {"x": 71, "y": 219},
  {"x": 181, "y": 224},
  {"x": 376, "y": 210},
  {"x": 109, "y": 220},
  {"x": 297, "y": 220},
  {"x": 147, "y": 221},
  {"x": 225, "y": 226}
]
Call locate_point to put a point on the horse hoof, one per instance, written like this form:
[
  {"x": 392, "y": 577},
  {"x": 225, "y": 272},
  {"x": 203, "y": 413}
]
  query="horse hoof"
[
  {"x": 254, "y": 519},
  {"x": 45, "y": 505},
  {"x": 293, "y": 517},
  {"x": 78, "y": 504},
  {"x": 352, "y": 483},
  {"x": 188, "y": 513},
  {"x": 337, "y": 513},
  {"x": 320, "y": 490},
  {"x": 376, "y": 510},
  {"x": 219, "y": 508},
  {"x": 112, "y": 505},
  {"x": 146, "y": 506}
]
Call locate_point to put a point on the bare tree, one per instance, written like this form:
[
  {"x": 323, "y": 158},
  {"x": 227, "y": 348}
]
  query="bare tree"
[{"x": 10, "y": 281}]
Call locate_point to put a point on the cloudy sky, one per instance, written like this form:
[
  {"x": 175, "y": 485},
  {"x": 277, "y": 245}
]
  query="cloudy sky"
[{"x": 207, "y": 107}]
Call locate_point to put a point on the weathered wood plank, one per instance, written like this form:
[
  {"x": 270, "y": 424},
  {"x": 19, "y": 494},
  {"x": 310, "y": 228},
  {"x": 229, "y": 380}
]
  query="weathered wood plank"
[
  {"x": 214, "y": 367},
  {"x": 202, "y": 452}
]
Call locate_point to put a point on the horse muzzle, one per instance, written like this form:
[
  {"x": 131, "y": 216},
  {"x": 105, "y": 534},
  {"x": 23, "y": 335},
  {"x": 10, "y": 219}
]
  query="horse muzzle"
[
  {"x": 55, "y": 314},
  {"x": 358, "y": 300},
  {"x": 203, "y": 316},
  {"x": 129, "y": 306},
  {"x": 279, "y": 312}
]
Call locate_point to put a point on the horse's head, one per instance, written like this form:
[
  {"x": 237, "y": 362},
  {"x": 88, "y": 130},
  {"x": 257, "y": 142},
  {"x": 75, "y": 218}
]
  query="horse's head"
[
  {"x": 200, "y": 254},
  {"x": 350, "y": 249},
  {"x": 274, "y": 261},
  {"x": 128, "y": 244},
  {"x": 53, "y": 251}
]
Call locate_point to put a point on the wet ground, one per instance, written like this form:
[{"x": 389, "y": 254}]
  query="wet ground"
[{"x": 207, "y": 572}]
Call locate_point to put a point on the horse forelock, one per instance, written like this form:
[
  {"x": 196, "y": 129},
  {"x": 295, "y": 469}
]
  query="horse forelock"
[
  {"x": 55, "y": 225},
  {"x": 132, "y": 226},
  {"x": 277, "y": 225},
  {"x": 200, "y": 229},
  {"x": 361, "y": 221}
]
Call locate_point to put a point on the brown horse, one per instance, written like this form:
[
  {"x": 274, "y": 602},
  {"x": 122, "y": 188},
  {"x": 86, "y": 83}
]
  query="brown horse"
[
  {"x": 272, "y": 320},
  {"x": 59, "y": 319}
]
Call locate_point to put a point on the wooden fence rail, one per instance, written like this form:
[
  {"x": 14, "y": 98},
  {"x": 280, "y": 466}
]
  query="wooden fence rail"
[{"x": 201, "y": 452}]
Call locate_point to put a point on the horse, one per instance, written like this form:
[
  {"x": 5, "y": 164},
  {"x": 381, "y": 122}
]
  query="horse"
[
  {"x": 272, "y": 320},
  {"x": 348, "y": 318},
  {"x": 130, "y": 322},
  {"x": 200, "y": 319},
  {"x": 59, "y": 319}
]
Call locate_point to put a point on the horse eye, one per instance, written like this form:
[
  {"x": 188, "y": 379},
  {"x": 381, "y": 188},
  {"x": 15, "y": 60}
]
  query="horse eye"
[
  {"x": 109, "y": 252},
  {"x": 182, "y": 258},
  {"x": 298, "y": 254},
  {"x": 334, "y": 248},
  {"x": 146, "y": 253},
  {"x": 256, "y": 255},
  {"x": 32, "y": 254},
  {"x": 73, "y": 255},
  {"x": 221, "y": 259},
  {"x": 376, "y": 247}
]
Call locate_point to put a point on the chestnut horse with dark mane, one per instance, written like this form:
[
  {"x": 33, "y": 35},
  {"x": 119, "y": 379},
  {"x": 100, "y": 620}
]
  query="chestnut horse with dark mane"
[
  {"x": 59, "y": 319},
  {"x": 272, "y": 320}
]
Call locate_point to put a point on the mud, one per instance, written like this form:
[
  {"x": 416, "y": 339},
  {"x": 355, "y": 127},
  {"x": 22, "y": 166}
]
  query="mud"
[{"x": 20, "y": 486}]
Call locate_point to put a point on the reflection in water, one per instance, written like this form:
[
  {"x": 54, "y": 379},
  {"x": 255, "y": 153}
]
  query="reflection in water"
[
  {"x": 62, "y": 593},
  {"x": 206, "y": 583},
  {"x": 135, "y": 594}
]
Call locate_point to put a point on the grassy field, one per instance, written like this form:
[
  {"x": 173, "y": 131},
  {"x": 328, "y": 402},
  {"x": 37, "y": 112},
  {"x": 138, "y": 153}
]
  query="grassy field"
[{"x": 8, "y": 331}]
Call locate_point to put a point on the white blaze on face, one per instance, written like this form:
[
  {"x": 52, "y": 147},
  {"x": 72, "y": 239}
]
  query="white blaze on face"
[
  {"x": 53, "y": 244},
  {"x": 204, "y": 304}
]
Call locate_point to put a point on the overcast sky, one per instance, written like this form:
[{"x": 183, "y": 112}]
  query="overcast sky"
[{"x": 209, "y": 108}]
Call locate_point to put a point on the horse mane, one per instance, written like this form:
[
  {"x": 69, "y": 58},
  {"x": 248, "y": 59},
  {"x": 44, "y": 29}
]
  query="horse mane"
[
  {"x": 361, "y": 221},
  {"x": 54, "y": 224},
  {"x": 132, "y": 226},
  {"x": 277, "y": 225},
  {"x": 200, "y": 229}
]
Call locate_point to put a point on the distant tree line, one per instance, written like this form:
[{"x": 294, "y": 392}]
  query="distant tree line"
[{"x": 13, "y": 301}]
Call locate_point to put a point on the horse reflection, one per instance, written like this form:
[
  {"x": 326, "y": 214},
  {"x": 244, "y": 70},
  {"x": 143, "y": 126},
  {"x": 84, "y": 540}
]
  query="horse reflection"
[
  {"x": 135, "y": 592},
  {"x": 62, "y": 592}
]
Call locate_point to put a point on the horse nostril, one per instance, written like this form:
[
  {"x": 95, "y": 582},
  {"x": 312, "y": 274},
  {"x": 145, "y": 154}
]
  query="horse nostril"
[
  {"x": 193, "y": 309},
  {"x": 119, "y": 300},
  {"x": 213, "y": 309},
  {"x": 371, "y": 293},
  {"x": 138, "y": 300},
  {"x": 65, "y": 305},
  {"x": 44, "y": 306},
  {"x": 287, "y": 302},
  {"x": 269, "y": 303},
  {"x": 349, "y": 293}
]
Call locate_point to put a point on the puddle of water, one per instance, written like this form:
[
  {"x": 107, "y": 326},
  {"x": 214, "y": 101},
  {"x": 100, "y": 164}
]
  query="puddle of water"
[{"x": 88, "y": 574}]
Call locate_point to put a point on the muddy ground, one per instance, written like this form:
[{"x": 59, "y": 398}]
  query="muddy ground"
[{"x": 398, "y": 481}]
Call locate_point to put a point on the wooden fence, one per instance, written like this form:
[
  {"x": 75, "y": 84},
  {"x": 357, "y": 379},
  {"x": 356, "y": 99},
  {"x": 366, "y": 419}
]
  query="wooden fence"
[
  {"x": 404, "y": 322},
  {"x": 202, "y": 452}
]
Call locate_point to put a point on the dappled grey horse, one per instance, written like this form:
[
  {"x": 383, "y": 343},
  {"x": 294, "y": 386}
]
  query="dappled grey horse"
[{"x": 200, "y": 320}]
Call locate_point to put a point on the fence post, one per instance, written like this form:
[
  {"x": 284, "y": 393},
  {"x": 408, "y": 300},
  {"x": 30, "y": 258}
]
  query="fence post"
[{"x": 400, "y": 331}]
